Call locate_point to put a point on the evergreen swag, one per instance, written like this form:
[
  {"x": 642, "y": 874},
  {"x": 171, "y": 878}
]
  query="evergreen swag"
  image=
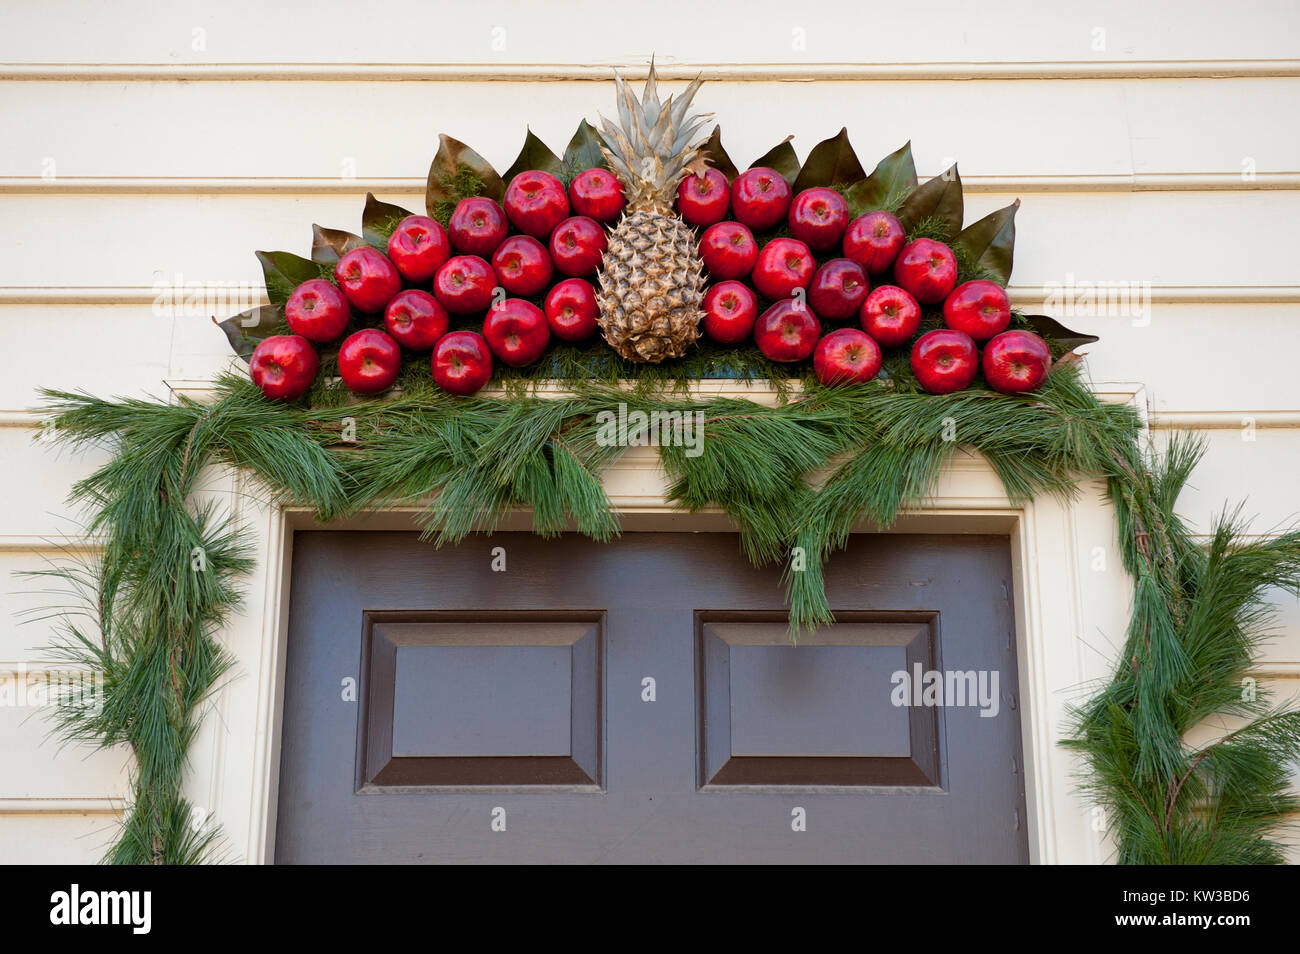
[{"x": 801, "y": 474}]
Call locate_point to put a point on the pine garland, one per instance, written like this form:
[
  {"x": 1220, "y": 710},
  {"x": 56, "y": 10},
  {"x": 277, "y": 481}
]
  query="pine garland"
[{"x": 795, "y": 478}]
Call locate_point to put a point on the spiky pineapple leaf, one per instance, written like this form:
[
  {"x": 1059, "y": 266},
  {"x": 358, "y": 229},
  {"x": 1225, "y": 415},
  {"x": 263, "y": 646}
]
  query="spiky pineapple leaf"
[
  {"x": 285, "y": 271},
  {"x": 782, "y": 158},
  {"x": 247, "y": 329},
  {"x": 534, "y": 154},
  {"x": 832, "y": 162},
  {"x": 329, "y": 245},
  {"x": 583, "y": 152},
  {"x": 939, "y": 199},
  {"x": 990, "y": 242},
  {"x": 717, "y": 156},
  {"x": 379, "y": 220},
  {"x": 457, "y": 171},
  {"x": 892, "y": 181}
]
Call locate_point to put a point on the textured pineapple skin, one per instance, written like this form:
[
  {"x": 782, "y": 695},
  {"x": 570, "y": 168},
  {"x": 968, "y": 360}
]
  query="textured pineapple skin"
[{"x": 651, "y": 287}]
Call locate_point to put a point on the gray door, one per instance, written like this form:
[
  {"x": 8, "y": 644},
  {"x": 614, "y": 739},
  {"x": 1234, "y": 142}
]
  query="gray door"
[{"x": 515, "y": 699}]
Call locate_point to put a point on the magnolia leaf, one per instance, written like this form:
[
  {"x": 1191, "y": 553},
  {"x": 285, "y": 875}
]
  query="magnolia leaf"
[
  {"x": 1052, "y": 330},
  {"x": 892, "y": 181},
  {"x": 990, "y": 242},
  {"x": 285, "y": 271},
  {"x": 329, "y": 245},
  {"x": 535, "y": 154},
  {"x": 940, "y": 198},
  {"x": 717, "y": 156},
  {"x": 454, "y": 163},
  {"x": 583, "y": 152},
  {"x": 379, "y": 220},
  {"x": 782, "y": 158},
  {"x": 832, "y": 162},
  {"x": 247, "y": 329}
]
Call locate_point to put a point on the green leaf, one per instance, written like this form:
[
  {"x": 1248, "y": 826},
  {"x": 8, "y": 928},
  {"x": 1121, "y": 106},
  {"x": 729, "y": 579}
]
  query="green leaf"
[
  {"x": 717, "y": 156},
  {"x": 247, "y": 329},
  {"x": 990, "y": 242},
  {"x": 457, "y": 171},
  {"x": 832, "y": 162},
  {"x": 285, "y": 271},
  {"x": 940, "y": 198},
  {"x": 329, "y": 245},
  {"x": 583, "y": 152},
  {"x": 893, "y": 179},
  {"x": 782, "y": 158},
  {"x": 535, "y": 154},
  {"x": 379, "y": 219},
  {"x": 1052, "y": 330}
]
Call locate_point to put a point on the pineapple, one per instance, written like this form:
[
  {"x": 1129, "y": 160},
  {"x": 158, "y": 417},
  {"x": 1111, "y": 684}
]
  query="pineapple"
[{"x": 651, "y": 277}]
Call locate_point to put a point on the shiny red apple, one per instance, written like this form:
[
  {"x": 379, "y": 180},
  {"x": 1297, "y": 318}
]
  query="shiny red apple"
[
  {"x": 577, "y": 246},
  {"x": 890, "y": 315},
  {"x": 1016, "y": 361},
  {"x": 283, "y": 366},
  {"x": 477, "y": 226},
  {"x": 846, "y": 356},
  {"x": 927, "y": 270},
  {"x": 522, "y": 266},
  {"x": 979, "y": 308},
  {"x": 874, "y": 241},
  {"x": 597, "y": 194},
  {"x": 415, "y": 320},
  {"x": 462, "y": 362},
  {"x": 728, "y": 250},
  {"x": 703, "y": 200},
  {"x": 369, "y": 361},
  {"x": 838, "y": 290},
  {"x": 818, "y": 218},
  {"x": 517, "y": 332},
  {"x": 944, "y": 360},
  {"x": 317, "y": 310},
  {"x": 418, "y": 247},
  {"x": 572, "y": 310},
  {"x": 730, "y": 310},
  {"x": 464, "y": 285},
  {"x": 788, "y": 331},
  {"x": 783, "y": 265},
  {"x": 760, "y": 198},
  {"x": 368, "y": 279},
  {"x": 536, "y": 203}
]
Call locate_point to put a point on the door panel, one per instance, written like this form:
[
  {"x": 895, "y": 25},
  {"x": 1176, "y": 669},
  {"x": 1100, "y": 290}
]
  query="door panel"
[{"x": 639, "y": 701}]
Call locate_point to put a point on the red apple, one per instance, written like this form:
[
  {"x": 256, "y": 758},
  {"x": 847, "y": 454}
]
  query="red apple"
[
  {"x": 464, "y": 284},
  {"x": 846, "y": 356},
  {"x": 1016, "y": 361},
  {"x": 536, "y": 203},
  {"x": 418, "y": 247},
  {"x": 597, "y": 194},
  {"x": 517, "y": 332},
  {"x": 783, "y": 265},
  {"x": 890, "y": 315},
  {"x": 818, "y": 217},
  {"x": 462, "y": 362},
  {"x": 944, "y": 360},
  {"x": 979, "y": 308},
  {"x": 927, "y": 270},
  {"x": 368, "y": 279},
  {"x": 477, "y": 226},
  {"x": 760, "y": 198},
  {"x": 703, "y": 200},
  {"x": 415, "y": 319},
  {"x": 577, "y": 246},
  {"x": 369, "y": 361},
  {"x": 788, "y": 331},
  {"x": 874, "y": 241},
  {"x": 838, "y": 290},
  {"x": 317, "y": 310},
  {"x": 283, "y": 366},
  {"x": 728, "y": 250},
  {"x": 572, "y": 310},
  {"x": 730, "y": 310},
  {"x": 522, "y": 265}
]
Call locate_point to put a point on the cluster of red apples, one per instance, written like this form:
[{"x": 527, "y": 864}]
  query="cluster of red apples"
[
  {"x": 874, "y": 246},
  {"x": 430, "y": 274}
]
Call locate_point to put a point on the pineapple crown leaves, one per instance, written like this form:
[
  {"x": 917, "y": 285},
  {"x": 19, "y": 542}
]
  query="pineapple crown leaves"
[{"x": 654, "y": 142}]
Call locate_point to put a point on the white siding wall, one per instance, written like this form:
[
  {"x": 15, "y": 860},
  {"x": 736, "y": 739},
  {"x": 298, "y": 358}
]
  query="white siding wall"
[{"x": 149, "y": 140}]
